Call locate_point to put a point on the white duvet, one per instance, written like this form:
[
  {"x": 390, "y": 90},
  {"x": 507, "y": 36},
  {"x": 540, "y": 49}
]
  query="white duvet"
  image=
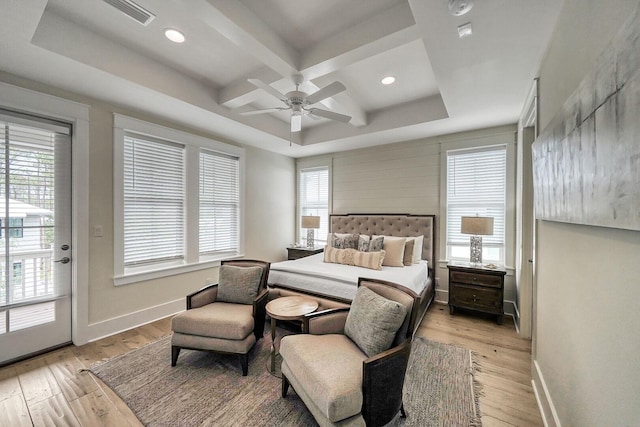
[{"x": 313, "y": 274}]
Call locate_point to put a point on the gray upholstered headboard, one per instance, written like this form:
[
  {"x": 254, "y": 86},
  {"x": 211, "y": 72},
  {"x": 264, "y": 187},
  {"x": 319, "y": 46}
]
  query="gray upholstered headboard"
[{"x": 401, "y": 225}]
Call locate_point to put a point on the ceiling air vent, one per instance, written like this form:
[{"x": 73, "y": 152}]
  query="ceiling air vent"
[{"x": 132, "y": 10}]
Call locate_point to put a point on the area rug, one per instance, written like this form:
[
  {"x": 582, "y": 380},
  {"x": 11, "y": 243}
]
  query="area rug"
[{"x": 208, "y": 389}]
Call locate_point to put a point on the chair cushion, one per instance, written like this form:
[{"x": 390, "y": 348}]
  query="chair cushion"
[
  {"x": 330, "y": 369},
  {"x": 238, "y": 284},
  {"x": 217, "y": 320},
  {"x": 373, "y": 321}
]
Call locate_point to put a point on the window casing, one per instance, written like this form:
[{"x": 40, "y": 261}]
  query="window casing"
[
  {"x": 177, "y": 201},
  {"x": 313, "y": 199},
  {"x": 476, "y": 185}
]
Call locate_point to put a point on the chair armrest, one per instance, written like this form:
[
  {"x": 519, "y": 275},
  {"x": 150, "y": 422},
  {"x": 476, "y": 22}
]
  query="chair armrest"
[
  {"x": 260, "y": 312},
  {"x": 382, "y": 382},
  {"x": 330, "y": 321},
  {"x": 204, "y": 296}
]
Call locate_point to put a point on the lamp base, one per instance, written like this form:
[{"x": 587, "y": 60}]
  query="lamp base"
[
  {"x": 310, "y": 238},
  {"x": 476, "y": 250}
]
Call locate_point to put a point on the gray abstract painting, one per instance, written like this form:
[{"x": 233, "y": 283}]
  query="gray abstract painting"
[{"x": 586, "y": 163}]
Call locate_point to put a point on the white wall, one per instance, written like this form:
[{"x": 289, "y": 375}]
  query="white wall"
[
  {"x": 405, "y": 177},
  {"x": 587, "y": 298},
  {"x": 269, "y": 219}
]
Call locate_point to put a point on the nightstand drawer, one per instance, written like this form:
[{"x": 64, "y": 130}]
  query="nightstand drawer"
[
  {"x": 476, "y": 297},
  {"x": 477, "y": 279}
]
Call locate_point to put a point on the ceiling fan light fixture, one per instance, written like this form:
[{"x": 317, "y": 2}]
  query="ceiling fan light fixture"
[
  {"x": 387, "y": 80},
  {"x": 174, "y": 35}
]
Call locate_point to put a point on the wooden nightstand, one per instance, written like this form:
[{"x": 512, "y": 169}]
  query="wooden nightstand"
[
  {"x": 297, "y": 253},
  {"x": 477, "y": 288}
]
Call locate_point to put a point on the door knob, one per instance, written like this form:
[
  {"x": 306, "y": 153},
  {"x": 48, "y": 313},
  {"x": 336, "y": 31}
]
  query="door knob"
[{"x": 64, "y": 260}]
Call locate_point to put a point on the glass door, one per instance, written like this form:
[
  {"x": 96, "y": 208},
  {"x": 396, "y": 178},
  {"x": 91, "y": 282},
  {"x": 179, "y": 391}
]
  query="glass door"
[{"x": 35, "y": 234}]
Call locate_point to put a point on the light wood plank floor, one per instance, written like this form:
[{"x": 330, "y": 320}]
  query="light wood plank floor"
[{"x": 50, "y": 390}]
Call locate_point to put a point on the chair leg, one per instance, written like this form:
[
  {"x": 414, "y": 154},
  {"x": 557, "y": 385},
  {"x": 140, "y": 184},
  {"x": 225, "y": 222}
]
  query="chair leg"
[
  {"x": 244, "y": 362},
  {"x": 285, "y": 386},
  {"x": 403, "y": 414},
  {"x": 175, "y": 351}
]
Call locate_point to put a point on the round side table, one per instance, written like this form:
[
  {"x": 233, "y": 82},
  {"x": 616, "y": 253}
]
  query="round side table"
[{"x": 287, "y": 308}]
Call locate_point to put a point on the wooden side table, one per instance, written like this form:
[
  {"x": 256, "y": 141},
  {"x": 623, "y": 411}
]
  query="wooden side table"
[
  {"x": 477, "y": 288},
  {"x": 297, "y": 253},
  {"x": 287, "y": 308}
]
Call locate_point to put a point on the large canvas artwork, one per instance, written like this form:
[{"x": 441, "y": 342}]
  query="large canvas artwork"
[{"x": 586, "y": 163}]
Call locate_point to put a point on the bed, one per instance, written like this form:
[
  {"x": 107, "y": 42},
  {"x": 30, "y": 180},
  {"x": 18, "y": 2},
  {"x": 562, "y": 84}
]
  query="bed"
[{"x": 334, "y": 285}]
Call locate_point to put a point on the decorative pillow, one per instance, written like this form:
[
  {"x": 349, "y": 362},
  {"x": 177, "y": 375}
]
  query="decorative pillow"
[
  {"x": 339, "y": 256},
  {"x": 376, "y": 244},
  {"x": 373, "y": 321},
  {"x": 363, "y": 243},
  {"x": 349, "y": 241},
  {"x": 407, "y": 259},
  {"x": 417, "y": 248},
  {"x": 372, "y": 260},
  {"x": 394, "y": 247},
  {"x": 238, "y": 284}
]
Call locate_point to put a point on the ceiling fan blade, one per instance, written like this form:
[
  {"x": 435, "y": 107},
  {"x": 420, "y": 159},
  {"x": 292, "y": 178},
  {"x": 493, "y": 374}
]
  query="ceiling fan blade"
[
  {"x": 263, "y": 111},
  {"x": 267, "y": 88},
  {"x": 326, "y": 92},
  {"x": 330, "y": 115},
  {"x": 296, "y": 123}
]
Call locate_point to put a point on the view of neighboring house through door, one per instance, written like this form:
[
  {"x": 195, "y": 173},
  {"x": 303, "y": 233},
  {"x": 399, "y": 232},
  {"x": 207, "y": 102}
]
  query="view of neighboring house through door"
[{"x": 35, "y": 234}]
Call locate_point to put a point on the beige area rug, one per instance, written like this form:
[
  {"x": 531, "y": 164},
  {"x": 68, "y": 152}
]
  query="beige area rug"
[{"x": 207, "y": 389}]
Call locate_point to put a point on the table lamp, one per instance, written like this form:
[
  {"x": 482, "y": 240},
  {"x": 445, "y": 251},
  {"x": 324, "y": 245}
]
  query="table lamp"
[
  {"x": 310, "y": 223},
  {"x": 477, "y": 226}
]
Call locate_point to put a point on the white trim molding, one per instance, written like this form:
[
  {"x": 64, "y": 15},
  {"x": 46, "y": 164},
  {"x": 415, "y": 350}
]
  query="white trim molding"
[{"x": 545, "y": 404}]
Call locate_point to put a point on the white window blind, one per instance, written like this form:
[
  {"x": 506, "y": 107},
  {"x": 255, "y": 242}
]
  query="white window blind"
[
  {"x": 314, "y": 200},
  {"x": 476, "y": 185},
  {"x": 219, "y": 203},
  {"x": 154, "y": 197}
]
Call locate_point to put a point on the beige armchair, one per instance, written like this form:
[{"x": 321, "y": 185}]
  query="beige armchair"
[
  {"x": 348, "y": 366},
  {"x": 227, "y": 317}
]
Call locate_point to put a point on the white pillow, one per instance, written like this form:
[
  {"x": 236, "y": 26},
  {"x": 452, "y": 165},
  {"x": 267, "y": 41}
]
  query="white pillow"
[
  {"x": 417, "y": 248},
  {"x": 394, "y": 250}
]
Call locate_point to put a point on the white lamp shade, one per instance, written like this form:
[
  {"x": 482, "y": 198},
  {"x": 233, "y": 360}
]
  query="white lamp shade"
[
  {"x": 477, "y": 225},
  {"x": 310, "y": 222}
]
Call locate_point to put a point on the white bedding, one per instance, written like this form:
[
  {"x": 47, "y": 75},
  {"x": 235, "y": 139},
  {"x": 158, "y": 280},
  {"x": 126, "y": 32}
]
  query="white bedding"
[{"x": 314, "y": 275}]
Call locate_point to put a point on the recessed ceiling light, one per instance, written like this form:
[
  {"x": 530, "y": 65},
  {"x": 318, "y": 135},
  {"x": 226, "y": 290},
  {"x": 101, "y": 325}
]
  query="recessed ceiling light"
[
  {"x": 465, "y": 30},
  {"x": 388, "y": 80},
  {"x": 174, "y": 35}
]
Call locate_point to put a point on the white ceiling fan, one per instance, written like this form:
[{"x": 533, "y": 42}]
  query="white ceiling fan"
[{"x": 299, "y": 102}]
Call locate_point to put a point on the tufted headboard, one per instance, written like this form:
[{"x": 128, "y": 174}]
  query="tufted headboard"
[{"x": 401, "y": 225}]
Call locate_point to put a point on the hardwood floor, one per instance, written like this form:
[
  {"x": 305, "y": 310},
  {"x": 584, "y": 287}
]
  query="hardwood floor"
[{"x": 52, "y": 389}]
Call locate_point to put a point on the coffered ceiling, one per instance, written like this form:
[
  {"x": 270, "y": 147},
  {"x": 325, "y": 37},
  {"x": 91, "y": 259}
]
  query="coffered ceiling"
[{"x": 443, "y": 83}]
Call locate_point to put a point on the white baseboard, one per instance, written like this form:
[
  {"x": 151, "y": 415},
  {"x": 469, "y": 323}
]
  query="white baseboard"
[
  {"x": 545, "y": 404},
  {"x": 131, "y": 320}
]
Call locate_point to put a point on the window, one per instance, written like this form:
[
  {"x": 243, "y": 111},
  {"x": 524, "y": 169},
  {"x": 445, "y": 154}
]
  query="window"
[
  {"x": 177, "y": 204},
  {"x": 16, "y": 227},
  {"x": 219, "y": 203},
  {"x": 476, "y": 185},
  {"x": 313, "y": 199}
]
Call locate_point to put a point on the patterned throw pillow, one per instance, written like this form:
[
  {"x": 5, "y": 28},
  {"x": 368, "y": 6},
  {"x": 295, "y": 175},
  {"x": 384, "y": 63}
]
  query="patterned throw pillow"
[
  {"x": 373, "y": 321},
  {"x": 349, "y": 241},
  {"x": 372, "y": 260},
  {"x": 376, "y": 244},
  {"x": 363, "y": 243},
  {"x": 238, "y": 284}
]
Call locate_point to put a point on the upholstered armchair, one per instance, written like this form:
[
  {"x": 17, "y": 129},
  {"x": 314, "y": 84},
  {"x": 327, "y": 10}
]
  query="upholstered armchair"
[
  {"x": 227, "y": 317},
  {"x": 349, "y": 364}
]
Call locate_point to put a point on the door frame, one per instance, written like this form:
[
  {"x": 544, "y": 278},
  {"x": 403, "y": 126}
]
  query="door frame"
[
  {"x": 526, "y": 289},
  {"x": 18, "y": 98}
]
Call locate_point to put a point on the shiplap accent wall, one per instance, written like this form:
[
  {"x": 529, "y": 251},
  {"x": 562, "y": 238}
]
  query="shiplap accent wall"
[{"x": 395, "y": 178}]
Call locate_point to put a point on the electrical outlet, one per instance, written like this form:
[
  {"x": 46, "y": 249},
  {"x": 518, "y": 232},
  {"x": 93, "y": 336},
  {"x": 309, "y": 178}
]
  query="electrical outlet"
[
  {"x": 97, "y": 231},
  {"x": 437, "y": 282}
]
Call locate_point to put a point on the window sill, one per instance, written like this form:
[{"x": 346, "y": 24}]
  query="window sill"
[{"x": 127, "y": 279}]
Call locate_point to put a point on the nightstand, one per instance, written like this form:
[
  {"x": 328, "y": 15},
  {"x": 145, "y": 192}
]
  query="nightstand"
[
  {"x": 477, "y": 288},
  {"x": 297, "y": 253}
]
